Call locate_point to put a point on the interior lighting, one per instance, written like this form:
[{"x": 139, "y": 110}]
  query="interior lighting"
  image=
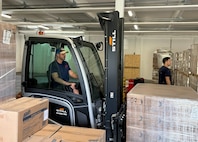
[
  {"x": 130, "y": 13},
  {"x": 43, "y": 27},
  {"x": 136, "y": 27},
  {"x": 6, "y": 16}
]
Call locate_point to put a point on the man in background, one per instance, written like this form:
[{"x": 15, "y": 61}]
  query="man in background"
[{"x": 164, "y": 72}]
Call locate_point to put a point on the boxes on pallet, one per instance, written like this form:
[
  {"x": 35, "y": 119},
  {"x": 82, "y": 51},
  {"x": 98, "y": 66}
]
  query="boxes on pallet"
[
  {"x": 193, "y": 82},
  {"x": 22, "y": 117},
  {"x": 162, "y": 112},
  {"x": 182, "y": 79},
  {"x": 7, "y": 61},
  {"x": 54, "y": 132},
  {"x": 194, "y": 59},
  {"x": 131, "y": 66},
  {"x": 130, "y": 73},
  {"x": 132, "y": 60},
  {"x": 186, "y": 61},
  {"x": 79, "y": 134},
  {"x": 44, "y": 134}
]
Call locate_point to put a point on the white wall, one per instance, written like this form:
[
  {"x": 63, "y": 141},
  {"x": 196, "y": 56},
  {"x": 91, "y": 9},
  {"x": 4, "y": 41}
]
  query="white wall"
[
  {"x": 146, "y": 45},
  {"x": 142, "y": 44}
]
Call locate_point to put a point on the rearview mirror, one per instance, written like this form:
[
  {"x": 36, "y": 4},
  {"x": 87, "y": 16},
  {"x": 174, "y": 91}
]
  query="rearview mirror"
[{"x": 99, "y": 46}]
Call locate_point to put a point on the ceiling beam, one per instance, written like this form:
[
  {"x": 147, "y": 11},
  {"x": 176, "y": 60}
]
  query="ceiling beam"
[
  {"x": 162, "y": 8},
  {"x": 96, "y": 23},
  {"x": 101, "y": 32},
  {"x": 58, "y": 10},
  {"x": 100, "y": 9}
]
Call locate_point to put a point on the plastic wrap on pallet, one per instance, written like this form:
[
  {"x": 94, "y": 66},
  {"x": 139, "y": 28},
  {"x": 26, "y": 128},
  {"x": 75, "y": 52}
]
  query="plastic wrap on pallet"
[
  {"x": 182, "y": 79},
  {"x": 193, "y": 82},
  {"x": 155, "y": 75},
  {"x": 186, "y": 61},
  {"x": 7, "y": 61},
  {"x": 162, "y": 113},
  {"x": 194, "y": 59}
]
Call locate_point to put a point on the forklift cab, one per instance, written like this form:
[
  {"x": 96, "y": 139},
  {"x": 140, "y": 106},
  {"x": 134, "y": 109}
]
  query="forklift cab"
[{"x": 67, "y": 108}]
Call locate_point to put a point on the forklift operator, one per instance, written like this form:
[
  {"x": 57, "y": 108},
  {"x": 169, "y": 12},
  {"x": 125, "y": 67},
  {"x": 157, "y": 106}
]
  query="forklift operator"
[{"x": 60, "y": 72}]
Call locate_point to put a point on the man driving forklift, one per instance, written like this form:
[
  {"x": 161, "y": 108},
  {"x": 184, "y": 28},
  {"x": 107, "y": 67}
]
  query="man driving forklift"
[{"x": 60, "y": 72}]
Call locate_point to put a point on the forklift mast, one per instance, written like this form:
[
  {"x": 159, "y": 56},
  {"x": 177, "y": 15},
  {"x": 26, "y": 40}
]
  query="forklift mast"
[{"x": 113, "y": 31}]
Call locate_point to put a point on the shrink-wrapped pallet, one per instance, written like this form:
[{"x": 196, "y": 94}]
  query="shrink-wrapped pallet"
[
  {"x": 158, "y": 113},
  {"x": 194, "y": 59},
  {"x": 182, "y": 78},
  {"x": 7, "y": 61},
  {"x": 193, "y": 82}
]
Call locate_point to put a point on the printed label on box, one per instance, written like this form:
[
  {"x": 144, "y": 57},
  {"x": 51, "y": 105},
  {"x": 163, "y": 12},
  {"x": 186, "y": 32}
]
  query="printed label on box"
[
  {"x": 6, "y": 36},
  {"x": 45, "y": 116}
]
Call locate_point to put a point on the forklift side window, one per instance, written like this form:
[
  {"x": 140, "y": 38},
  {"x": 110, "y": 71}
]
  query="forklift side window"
[
  {"x": 95, "y": 68},
  {"x": 42, "y": 54}
]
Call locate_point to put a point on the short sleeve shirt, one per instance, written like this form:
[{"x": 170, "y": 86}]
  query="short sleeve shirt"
[
  {"x": 164, "y": 72},
  {"x": 61, "y": 69}
]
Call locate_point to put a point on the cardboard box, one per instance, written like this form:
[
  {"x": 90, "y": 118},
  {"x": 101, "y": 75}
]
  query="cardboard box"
[
  {"x": 44, "y": 134},
  {"x": 131, "y": 73},
  {"x": 80, "y": 134},
  {"x": 22, "y": 117},
  {"x": 132, "y": 60},
  {"x": 40, "y": 139},
  {"x": 57, "y": 133},
  {"x": 162, "y": 113},
  {"x": 48, "y": 130}
]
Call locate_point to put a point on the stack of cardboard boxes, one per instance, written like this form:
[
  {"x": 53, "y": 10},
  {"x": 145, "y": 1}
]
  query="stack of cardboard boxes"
[
  {"x": 162, "y": 113},
  {"x": 26, "y": 120},
  {"x": 193, "y": 78},
  {"x": 131, "y": 66},
  {"x": 56, "y": 133},
  {"x": 7, "y": 61},
  {"x": 21, "y": 118},
  {"x": 186, "y": 67}
]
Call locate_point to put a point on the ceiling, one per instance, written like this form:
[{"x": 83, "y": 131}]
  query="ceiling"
[{"x": 80, "y": 16}]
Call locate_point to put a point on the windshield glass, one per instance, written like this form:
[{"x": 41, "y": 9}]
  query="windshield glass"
[
  {"x": 42, "y": 54},
  {"x": 95, "y": 68}
]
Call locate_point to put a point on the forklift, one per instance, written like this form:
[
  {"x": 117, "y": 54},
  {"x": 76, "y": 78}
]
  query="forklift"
[{"x": 99, "y": 104}]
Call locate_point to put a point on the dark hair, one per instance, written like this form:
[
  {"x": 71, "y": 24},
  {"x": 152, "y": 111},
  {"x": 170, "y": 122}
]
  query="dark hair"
[{"x": 165, "y": 59}]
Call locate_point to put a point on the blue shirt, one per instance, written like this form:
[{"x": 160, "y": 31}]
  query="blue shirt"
[
  {"x": 61, "y": 69},
  {"x": 164, "y": 72}
]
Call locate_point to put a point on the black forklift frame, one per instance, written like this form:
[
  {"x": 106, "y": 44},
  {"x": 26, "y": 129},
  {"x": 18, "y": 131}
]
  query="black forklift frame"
[{"x": 115, "y": 110}]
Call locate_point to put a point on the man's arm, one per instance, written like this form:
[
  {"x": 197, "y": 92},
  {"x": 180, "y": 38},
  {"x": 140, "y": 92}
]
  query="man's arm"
[
  {"x": 59, "y": 80},
  {"x": 73, "y": 74},
  {"x": 167, "y": 78}
]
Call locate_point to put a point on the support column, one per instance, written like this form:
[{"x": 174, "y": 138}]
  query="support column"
[{"x": 119, "y": 6}]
